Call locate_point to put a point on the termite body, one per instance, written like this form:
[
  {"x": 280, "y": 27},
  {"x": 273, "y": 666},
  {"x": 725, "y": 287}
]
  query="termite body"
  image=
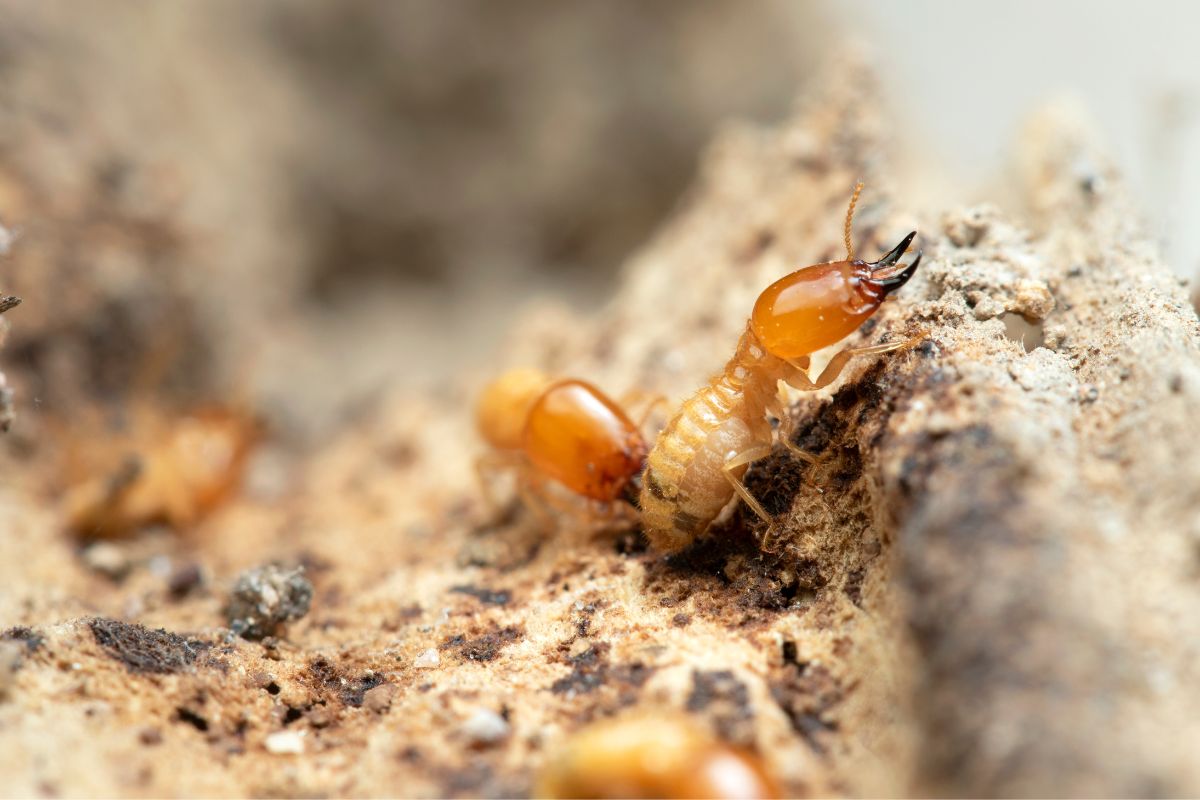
[
  {"x": 176, "y": 471},
  {"x": 562, "y": 431},
  {"x": 698, "y": 460}
]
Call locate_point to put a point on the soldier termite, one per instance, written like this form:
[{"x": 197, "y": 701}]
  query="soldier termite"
[{"x": 698, "y": 460}]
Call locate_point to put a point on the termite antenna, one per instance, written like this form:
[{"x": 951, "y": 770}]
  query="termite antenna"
[{"x": 850, "y": 220}]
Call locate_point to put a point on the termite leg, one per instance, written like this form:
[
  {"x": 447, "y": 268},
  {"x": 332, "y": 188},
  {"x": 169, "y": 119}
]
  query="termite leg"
[
  {"x": 787, "y": 429},
  {"x": 629, "y": 515},
  {"x": 486, "y": 468},
  {"x": 657, "y": 401},
  {"x": 615, "y": 515},
  {"x": 797, "y": 453},
  {"x": 535, "y": 498},
  {"x": 800, "y": 380},
  {"x": 652, "y": 401},
  {"x": 553, "y": 508},
  {"x": 739, "y": 460},
  {"x": 785, "y": 439}
]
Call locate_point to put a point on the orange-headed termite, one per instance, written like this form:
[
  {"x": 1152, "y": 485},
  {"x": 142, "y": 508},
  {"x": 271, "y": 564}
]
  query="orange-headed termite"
[
  {"x": 178, "y": 470},
  {"x": 698, "y": 460},
  {"x": 564, "y": 431},
  {"x": 660, "y": 755}
]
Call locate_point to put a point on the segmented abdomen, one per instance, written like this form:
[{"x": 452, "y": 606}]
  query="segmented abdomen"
[{"x": 683, "y": 487}]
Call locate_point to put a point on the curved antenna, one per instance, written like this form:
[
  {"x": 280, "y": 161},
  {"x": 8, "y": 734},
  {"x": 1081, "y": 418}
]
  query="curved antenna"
[{"x": 858, "y": 187}]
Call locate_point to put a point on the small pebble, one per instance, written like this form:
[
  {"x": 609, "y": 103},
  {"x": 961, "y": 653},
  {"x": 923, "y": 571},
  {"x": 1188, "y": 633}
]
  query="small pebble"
[
  {"x": 159, "y": 566},
  {"x": 268, "y": 475},
  {"x": 184, "y": 580},
  {"x": 380, "y": 698},
  {"x": 262, "y": 679},
  {"x": 968, "y": 228},
  {"x": 428, "y": 658},
  {"x": 1033, "y": 300},
  {"x": 107, "y": 559},
  {"x": 150, "y": 736},
  {"x": 264, "y": 598},
  {"x": 320, "y": 717},
  {"x": 987, "y": 308},
  {"x": 285, "y": 743},
  {"x": 485, "y": 727}
]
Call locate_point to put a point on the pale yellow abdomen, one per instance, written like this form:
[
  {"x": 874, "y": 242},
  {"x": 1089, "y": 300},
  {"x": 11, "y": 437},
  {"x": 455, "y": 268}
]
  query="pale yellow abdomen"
[{"x": 684, "y": 487}]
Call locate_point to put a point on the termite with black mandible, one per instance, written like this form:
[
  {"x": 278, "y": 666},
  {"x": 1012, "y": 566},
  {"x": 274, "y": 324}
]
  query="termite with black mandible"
[{"x": 698, "y": 460}]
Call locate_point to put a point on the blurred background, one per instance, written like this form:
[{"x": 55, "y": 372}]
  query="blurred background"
[{"x": 307, "y": 202}]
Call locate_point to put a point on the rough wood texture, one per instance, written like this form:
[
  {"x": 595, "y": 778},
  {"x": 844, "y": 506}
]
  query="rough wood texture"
[{"x": 988, "y": 586}]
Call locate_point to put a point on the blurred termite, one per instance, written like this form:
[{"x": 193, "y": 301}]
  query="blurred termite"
[
  {"x": 665, "y": 755},
  {"x": 698, "y": 460},
  {"x": 174, "y": 471},
  {"x": 7, "y": 414},
  {"x": 565, "y": 432}
]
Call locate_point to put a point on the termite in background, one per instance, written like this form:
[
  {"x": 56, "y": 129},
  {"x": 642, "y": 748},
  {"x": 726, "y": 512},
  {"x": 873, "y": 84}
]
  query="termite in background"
[
  {"x": 566, "y": 432},
  {"x": 698, "y": 460},
  {"x": 7, "y": 413},
  {"x": 167, "y": 469},
  {"x": 653, "y": 754}
]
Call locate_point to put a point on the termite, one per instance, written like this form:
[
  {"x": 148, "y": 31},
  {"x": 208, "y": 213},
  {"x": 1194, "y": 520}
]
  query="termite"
[
  {"x": 698, "y": 460},
  {"x": 177, "y": 471},
  {"x": 565, "y": 432},
  {"x": 661, "y": 755}
]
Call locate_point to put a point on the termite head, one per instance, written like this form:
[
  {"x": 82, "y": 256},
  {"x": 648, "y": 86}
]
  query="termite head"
[
  {"x": 504, "y": 406},
  {"x": 820, "y": 305},
  {"x": 566, "y": 429}
]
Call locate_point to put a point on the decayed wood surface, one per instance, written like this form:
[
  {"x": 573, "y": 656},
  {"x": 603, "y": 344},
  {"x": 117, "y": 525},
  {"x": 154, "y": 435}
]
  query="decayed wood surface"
[{"x": 988, "y": 586}]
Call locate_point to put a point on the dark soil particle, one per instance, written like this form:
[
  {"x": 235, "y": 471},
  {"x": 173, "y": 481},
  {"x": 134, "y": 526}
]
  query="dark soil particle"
[
  {"x": 184, "y": 580},
  {"x": 591, "y": 670},
  {"x": 150, "y": 737},
  {"x": 583, "y": 679},
  {"x": 350, "y": 690},
  {"x": 488, "y": 597},
  {"x": 31, "y": 638},
  {"x": 479, "y": 780},
  {"x": 186, "y": 715},
  {"x": 265, "y": 598},
  {"x": 774, "y": 481},
  {"x": 730, "y": 579},
  {"x": 144, "y": 650},
  {"x": 354, "y": 693},
  {"x": 631, "y": 543},
  {"x": 854, "y": 586},
  {"x": 723, "y": 696},
  {"x": 808, "y": 694},
  {"x": 484, "y": 647},
  {"x": 727, "y": 699}
]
